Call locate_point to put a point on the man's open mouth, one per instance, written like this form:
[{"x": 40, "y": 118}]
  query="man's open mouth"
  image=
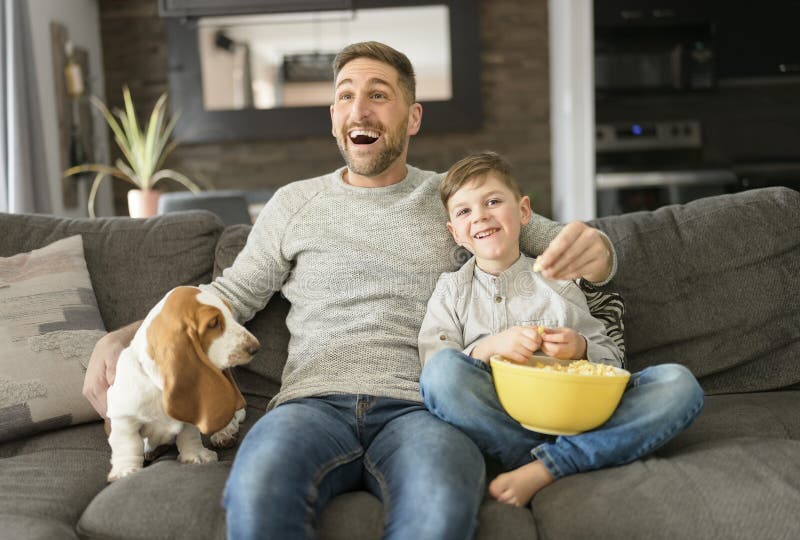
[
  {"x": 485, "y": 234},
  {"x": 363, "y": 136}
]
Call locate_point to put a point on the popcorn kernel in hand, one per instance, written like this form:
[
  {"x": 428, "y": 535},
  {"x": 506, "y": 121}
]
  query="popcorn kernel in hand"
[{"x": 540, "y": 329}]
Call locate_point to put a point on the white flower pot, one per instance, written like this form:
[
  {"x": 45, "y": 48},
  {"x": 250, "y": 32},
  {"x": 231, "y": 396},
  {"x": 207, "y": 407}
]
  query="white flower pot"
[{"x": 143, "y": 203}]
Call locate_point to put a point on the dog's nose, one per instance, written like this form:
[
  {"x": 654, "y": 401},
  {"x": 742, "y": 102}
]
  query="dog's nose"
[{"x": 253, "y": 349}]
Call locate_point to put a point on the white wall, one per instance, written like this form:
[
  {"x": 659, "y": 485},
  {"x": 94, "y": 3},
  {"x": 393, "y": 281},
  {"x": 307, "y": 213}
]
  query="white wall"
[
  {"x": 82, "y": 20},
  {"x": 572, "y": 109}
]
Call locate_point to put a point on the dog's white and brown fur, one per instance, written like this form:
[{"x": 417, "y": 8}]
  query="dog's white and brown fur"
[{"x": 172, "y": 381}]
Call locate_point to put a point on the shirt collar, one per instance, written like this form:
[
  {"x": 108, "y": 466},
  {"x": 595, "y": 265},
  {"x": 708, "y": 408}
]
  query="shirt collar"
[{"x": 521, "y": 265}]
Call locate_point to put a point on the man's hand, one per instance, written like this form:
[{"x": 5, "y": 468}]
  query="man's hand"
[
  {"x": 517, "y": 344},
  {"x": 577, "y": 251},
  {"x": 563, "y": 343},
  {"x": 102, "y": 366}
]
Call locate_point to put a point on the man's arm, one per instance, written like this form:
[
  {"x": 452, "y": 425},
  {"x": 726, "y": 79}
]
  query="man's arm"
[
  {"x": 579, "y": 251},
  {"x": 440, "y": 328},
  {"x": 570, "y": 251},
  {"x": 103, "y": 365},
  {"x": 260, "y": 268}
]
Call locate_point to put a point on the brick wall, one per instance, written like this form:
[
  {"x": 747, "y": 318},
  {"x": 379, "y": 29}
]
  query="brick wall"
[{"x": 514, "y": 91}]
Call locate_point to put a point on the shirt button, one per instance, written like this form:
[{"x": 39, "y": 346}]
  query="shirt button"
[
  {"x": 442, "y": 337},
  {"x": 498, "y": 299}
]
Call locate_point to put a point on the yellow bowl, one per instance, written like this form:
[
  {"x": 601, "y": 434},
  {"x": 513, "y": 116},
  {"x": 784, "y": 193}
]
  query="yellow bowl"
[{"x": 556, "y": 402}]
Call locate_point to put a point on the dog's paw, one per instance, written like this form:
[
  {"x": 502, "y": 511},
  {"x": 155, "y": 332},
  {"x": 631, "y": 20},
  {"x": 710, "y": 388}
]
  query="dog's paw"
[
  {"x": 149, "y": 450},
  {"x": 224, "y": 438},
  {"x": 227, "y": 436},
  {"x": 122, "y": 471},
  {"x": 203, "y": 455}
]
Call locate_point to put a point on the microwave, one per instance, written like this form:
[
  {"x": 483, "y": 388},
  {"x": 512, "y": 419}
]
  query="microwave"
[{"x": 666, "y": 58}]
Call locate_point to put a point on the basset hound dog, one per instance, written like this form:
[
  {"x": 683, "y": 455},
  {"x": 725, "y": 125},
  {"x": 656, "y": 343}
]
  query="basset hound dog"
[{"x": 172, "y": 381}]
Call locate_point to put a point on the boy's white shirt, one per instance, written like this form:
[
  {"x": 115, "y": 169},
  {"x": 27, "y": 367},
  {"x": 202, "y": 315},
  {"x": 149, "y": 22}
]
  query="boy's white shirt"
[{"x": 470, "y": 304}]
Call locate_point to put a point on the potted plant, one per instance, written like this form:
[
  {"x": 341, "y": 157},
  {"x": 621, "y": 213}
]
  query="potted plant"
[{"x": 143, "y": 149}]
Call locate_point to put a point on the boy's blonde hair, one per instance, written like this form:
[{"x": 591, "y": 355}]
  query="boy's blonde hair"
[
  {"x": 375, "y": 50},
  {"x": 476, "y": 167}
]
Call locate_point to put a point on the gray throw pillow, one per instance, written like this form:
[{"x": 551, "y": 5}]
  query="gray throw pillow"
[
  {"x": 713, "y": 285},
  {"x": 49, "y": 324}
]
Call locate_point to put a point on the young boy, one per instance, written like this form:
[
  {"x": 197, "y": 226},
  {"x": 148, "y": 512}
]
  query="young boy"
[{"x": 498, "y": 304}]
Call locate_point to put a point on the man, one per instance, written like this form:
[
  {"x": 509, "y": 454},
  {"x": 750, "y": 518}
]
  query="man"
[{"x": 357, "y": 253}]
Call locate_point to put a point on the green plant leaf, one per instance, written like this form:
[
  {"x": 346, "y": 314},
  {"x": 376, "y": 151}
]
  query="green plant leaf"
[
  {"x": 151, "y": 141},
  {"x": 119, "y": 133},
  {"x": 144, "y": 151},
  {"x": 97, "y": 168},
  {"x": 163, "y": 174},
  {"x": 165, "y": 149},
  {"x": 130, "y": 173},
  {"x": 134, "y": 134},
  {"x": 93, "y": 192},
  {"x": 134, "y": 152}
]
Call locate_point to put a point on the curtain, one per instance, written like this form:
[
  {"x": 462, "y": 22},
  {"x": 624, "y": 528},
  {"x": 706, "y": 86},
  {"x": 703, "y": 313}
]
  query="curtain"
[{"x": 24, "y": 186}]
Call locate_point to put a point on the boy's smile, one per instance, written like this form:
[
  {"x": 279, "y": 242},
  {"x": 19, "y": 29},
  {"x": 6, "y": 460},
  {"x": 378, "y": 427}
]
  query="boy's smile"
[{"x": 485, "y": 217}]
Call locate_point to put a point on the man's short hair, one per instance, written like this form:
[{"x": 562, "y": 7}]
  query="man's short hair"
[
  {"x": 382, "y": 53},
  {"x": 477, "y": 167}
]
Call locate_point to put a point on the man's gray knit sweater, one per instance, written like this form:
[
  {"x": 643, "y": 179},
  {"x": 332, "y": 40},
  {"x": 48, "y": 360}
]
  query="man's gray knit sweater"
[{"x": 358, "y": 266}]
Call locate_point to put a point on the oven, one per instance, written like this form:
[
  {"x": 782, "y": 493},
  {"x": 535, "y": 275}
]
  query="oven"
[{"x": 646, "y": 165}]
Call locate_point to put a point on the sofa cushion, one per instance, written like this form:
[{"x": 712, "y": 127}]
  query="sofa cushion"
[
  {"x": 269, "y": 324},
  {"x": 49, "y": 324},
  {"x": 153, "y": 503},
  {"x": 747, "y": 487},
  {"x": 47, "y": 480},
  {"x": 727, "y": 416},
  {"x": 713, "y": 285},
  {"x": 167, "y": 499},
  {"x": 132, "y": 262}
]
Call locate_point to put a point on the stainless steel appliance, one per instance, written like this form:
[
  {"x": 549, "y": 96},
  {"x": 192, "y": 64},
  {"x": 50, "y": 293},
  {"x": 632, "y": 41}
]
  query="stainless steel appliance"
[
  {"x": 639, "y": 46},
  {"x": 668, "y": 71},
  {"x": 670, "y": 59},
  {"x": 645, "y": 165},
  {"x": 687, "y": 44}
]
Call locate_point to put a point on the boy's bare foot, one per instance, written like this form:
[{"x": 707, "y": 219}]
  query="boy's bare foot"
[{"x": 518, "y": 487}]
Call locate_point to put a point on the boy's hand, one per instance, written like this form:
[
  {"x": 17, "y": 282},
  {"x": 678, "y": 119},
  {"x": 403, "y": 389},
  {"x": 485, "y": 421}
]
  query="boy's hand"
[
  {"x": 563, "y": 343},
  {"x": 517, "y": 344}
]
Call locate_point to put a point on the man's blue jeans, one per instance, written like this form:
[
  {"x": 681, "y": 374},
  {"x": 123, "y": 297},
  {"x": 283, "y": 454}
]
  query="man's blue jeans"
[
  {"x": 658, "y": 403},
  {"x": 298, "y": 456}
]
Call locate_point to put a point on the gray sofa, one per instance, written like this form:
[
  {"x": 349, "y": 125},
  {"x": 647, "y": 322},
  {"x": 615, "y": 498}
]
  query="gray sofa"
[{"x": 714, "y": 284}]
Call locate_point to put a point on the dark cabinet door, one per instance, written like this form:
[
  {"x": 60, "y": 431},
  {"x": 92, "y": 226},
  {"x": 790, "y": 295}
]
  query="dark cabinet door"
[
  {"x": 758, "y": 39},
  {"x": 649, "y": 13}
]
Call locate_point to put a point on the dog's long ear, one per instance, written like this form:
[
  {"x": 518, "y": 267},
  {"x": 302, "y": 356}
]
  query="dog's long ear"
[
  {"x": 240, "y": 401},
  {"x": 195, "y": 391}
]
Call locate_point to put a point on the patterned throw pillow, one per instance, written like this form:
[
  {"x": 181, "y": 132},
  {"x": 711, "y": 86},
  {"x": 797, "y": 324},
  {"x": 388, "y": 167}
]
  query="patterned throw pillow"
[
  {"x": 610, "y": 309},
  {"x": 49, "y": 324}
]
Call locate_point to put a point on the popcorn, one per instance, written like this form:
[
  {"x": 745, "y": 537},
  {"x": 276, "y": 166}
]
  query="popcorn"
[{"x": 579, "y": 367}]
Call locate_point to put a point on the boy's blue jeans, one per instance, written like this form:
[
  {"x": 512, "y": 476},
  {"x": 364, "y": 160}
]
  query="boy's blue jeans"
[
  {"x": 658, "y": 402},
  {"x": 428, "y": 474}
]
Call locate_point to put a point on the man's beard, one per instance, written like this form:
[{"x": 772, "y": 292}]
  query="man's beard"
[{"x": 394, "y": 144}]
